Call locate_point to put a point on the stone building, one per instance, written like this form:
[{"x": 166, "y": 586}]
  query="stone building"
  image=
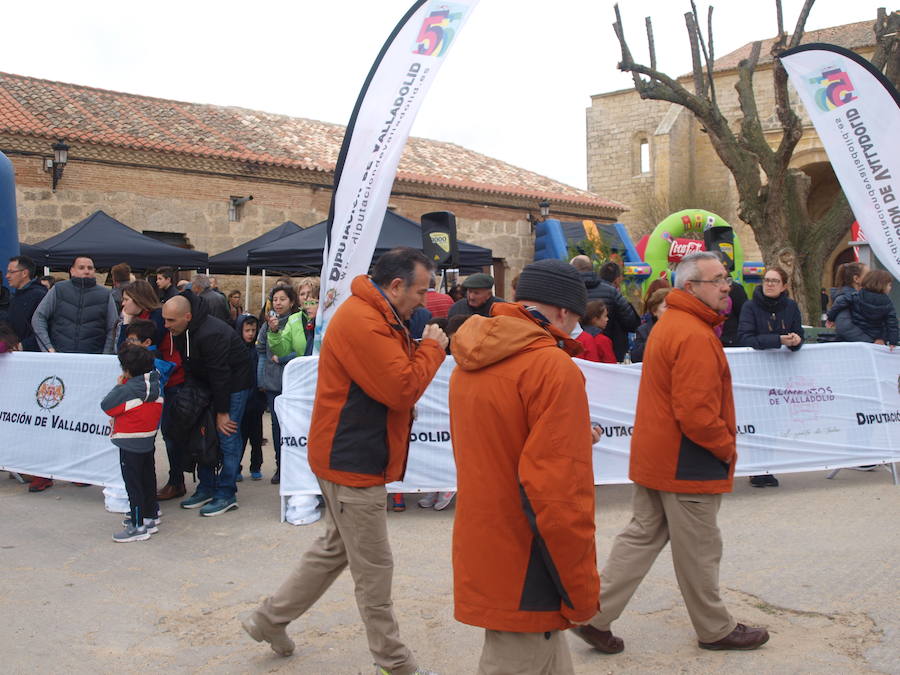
[
  {"x": 654, "y": 154},
  {"x": 172, "y": 169}
]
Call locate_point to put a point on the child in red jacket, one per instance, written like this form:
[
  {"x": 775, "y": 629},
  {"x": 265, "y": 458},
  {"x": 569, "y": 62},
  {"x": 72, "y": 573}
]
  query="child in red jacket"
[
  {"x": 597, "y": 316},
  {"x": 135, "y": 404}
]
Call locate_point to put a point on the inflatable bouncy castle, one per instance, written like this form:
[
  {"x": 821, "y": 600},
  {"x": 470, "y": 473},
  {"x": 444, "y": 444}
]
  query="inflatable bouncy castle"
[{"x": 656, "y": 254}]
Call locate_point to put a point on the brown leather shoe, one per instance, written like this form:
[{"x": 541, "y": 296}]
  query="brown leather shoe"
[
  {"x": 742, "y": 637},
  {"x": 259, "y": 628},
  {"x": 170, "y": 491},
  {"x": 601, "y": 640}
]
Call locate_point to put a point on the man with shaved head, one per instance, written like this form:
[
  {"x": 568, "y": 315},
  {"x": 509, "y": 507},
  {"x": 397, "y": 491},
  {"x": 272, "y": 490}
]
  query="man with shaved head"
[{"x": 213, "y": 355}]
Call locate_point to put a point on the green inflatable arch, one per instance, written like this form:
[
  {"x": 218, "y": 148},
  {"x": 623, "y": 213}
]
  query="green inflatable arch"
[{"x": 692, "y": 224}]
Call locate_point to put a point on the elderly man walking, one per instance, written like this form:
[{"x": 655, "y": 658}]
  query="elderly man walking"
[
  {"x": 371, "y": 373},
  {"x": 524, "y": 559},
  {"x": 682, "y": 461}
]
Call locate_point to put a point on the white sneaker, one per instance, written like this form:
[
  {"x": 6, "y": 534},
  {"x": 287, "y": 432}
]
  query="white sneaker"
[
  {"x": 443, "y": 500},
  {"x": 428, "y": 500}
]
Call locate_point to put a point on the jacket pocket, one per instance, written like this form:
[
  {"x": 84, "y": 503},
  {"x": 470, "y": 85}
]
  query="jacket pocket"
[
  {"x": 360, "y": 439},
  {"x": 697, "y": 463}
]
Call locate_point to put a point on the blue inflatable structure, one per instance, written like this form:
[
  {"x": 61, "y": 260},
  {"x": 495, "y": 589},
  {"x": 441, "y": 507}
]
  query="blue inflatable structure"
[{"x": 9, "y": 225}]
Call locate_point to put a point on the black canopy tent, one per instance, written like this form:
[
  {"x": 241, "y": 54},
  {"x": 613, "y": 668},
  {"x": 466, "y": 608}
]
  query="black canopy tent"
[
  {"x": 110, "y": 242},
  {"x": 302, "y": 252},
  {"x": 234, "y": 261}
]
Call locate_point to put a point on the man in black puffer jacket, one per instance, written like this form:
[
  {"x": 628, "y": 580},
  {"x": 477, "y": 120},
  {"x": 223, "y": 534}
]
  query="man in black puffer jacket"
[
  {"x": 215, "y": 356},
  {"x": 77, "y": 316},
  {"x": 623, "y": 319}
]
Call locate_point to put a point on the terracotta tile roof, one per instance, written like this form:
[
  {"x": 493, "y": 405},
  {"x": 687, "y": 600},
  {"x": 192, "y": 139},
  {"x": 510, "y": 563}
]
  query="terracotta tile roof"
[
  {"x": 77, "y": 113},
  {"x": 850, "y": 36}
]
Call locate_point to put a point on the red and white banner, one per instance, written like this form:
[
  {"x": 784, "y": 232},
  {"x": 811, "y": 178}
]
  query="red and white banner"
[
  {"x": 856, "y": 112},
  {"x": 375, "y": 138}
]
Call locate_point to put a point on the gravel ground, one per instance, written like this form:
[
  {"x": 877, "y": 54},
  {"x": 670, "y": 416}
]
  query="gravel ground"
[{"x": 815, "y": 561}]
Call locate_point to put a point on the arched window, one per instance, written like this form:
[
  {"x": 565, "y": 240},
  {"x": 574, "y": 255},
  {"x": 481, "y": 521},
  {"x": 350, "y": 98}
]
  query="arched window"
[{"x": 640, "y": 155}]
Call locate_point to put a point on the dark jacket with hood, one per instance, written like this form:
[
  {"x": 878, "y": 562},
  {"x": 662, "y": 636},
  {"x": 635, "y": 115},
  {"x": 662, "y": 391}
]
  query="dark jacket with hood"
[
  {"x": 623, "y": 318},
  {"x": 764, "y": 320},
  {"x": 76, "y": 316},
  {"x": 872, "y": 313},
  {"x": 214, "y": 354},
  {"x": 21, "y": 309}
]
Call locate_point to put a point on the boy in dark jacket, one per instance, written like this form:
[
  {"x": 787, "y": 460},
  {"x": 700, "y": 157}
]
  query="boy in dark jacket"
[
  {"x": 135, "y": 404},
  {"x": 251, "y": 425}
]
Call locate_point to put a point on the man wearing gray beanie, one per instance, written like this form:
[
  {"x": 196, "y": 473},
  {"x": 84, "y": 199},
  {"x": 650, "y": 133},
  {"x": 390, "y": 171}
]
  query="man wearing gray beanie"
[{"x": 522, "y": 442}]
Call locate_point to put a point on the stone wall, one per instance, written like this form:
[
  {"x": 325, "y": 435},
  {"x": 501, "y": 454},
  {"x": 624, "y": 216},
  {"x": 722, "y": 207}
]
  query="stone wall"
[{"x": 196, "y": 205}]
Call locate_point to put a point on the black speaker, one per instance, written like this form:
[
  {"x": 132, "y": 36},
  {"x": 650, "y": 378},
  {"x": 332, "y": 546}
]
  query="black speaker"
[
  {"x": 439, "y": 238},
  {"x": 721, "y": 239}
]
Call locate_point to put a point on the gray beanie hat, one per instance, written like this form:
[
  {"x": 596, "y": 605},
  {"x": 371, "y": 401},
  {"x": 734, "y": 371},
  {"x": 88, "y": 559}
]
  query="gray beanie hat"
[{"x": 553, "y": 282}]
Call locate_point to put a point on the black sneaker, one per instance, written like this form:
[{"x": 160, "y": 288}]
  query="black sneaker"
[{"x": 276, "y": 479}]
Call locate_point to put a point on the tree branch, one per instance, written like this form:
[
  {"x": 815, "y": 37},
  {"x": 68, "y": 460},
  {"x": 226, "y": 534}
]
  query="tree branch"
[
  {"x": 696, "y": 64},
  {"x": 887, "y": 45},
  {"x": 710, "y": 61},
  {"x": 650, "y": 42},
  {"x": 752, "y": 138},
  {"x": 801, "y": 24}
]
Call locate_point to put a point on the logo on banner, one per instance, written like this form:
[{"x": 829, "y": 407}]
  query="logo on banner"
[
  {"x": 833, "y": 89},
  {"x": 803, "y": 397},
  {"x": 682, "y": 247},
  {"x": 50, "y": 392},
  {"x": 438, "y": 29},
  {"x": 442, "y": 241}
]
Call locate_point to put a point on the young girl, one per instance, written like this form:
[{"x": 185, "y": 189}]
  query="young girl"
[
  {"x": 870, "y": 309},
  {"x": 597, "y": 316}
]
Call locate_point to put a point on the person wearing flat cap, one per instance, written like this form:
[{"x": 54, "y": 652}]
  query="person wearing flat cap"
[
  {"x": 479, "y": 297},
  {"x": 522, "y": 442}
]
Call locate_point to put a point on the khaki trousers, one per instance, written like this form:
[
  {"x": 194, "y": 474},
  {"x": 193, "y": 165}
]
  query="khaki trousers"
[
  {"x": 507, "y": 653},
  {"x": 355, "y": 535},
  {"x": 689, "y": 521}
]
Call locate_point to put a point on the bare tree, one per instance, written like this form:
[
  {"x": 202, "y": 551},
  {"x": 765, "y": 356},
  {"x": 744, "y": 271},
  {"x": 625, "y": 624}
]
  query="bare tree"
[{"x": 772, "y": 196}]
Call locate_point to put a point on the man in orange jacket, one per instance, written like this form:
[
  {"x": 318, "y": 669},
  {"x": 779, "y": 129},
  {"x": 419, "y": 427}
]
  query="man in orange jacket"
[
  {"x": 524, "y": 558},
  {"x": 371, "y": 373},
  {"x": 682, "y": 460}
]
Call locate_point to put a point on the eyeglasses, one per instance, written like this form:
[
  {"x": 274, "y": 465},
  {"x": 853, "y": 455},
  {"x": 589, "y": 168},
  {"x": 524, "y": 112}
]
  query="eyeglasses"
[
  {"x": 721, "y": 281},
  {"x": 772, "y": 281},
  {"x": 310, "y": 303},
  {"x": 14, "y": 271}
]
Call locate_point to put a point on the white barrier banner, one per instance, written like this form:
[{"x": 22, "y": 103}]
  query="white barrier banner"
[
  {"x": 51, "y": 423},
  {"x": 823, "y": 407}
]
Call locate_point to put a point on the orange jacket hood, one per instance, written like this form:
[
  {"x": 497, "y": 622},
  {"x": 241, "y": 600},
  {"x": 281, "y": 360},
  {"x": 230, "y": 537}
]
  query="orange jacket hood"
[
  {"x": 371, "y": 373},
  {"x": 482, "y": 341}
]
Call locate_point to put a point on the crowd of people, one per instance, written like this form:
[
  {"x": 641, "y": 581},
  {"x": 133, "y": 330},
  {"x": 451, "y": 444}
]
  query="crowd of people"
[{"x": 201, "y": 371}]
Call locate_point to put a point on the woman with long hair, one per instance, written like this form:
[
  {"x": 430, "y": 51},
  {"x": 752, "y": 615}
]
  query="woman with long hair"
[
  {"x": 770, "y": 320},
  {"x": 281, "y": 338}
]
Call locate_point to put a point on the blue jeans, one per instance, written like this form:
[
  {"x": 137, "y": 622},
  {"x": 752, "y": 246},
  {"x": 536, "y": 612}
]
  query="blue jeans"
[
  {"x": 223, "y": 485},
  {"x": 276, "y": 427}
]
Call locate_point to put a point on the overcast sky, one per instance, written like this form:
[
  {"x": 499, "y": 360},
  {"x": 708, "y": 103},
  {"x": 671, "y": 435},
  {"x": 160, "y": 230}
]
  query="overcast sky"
[{"x": 515, "y": 85}]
